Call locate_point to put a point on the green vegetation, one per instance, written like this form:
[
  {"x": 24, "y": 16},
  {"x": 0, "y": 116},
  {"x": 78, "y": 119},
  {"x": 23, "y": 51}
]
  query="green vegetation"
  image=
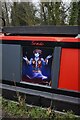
[
  {"x": 16, "y": 110},
  {"x": 41, "y": 13}
]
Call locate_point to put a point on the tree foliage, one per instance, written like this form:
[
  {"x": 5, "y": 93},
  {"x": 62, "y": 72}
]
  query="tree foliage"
[
  {"x": 74, "y": 13},
  {"x": 23, "y": 14},
  {"x": 46, "y": 13},
  {"x": 5, "y": 8},
  {"x": 53, "y": 13},
  {"x": 78, "y": 18}
]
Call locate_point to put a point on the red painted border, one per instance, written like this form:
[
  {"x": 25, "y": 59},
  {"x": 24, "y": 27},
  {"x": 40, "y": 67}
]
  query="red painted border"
[
  {"x": 69, "y": 70},
  {"x": 40, "y": 38}
]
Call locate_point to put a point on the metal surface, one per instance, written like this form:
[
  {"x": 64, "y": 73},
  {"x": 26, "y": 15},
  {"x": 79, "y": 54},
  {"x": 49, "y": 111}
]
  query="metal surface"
[
  {"x": 43, "y": 30},
  {"x": 56, "y": 67},
  {"x": 11, "y": 62},
  {"x": 42, "y": 88}
]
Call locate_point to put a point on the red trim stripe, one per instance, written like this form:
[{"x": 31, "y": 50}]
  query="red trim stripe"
[{"x": 40, "y": 38}]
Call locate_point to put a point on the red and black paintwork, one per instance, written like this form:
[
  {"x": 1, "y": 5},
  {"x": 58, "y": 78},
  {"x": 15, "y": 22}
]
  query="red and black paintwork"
[
  {"x": 69, "y": 61},
  {"x": 65, "y": 92},
  {"x": 52, "y": 36}
]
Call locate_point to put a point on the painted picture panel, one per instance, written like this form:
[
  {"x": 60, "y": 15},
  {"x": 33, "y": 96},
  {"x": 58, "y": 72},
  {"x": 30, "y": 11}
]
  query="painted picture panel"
[{"x": 37, "y": 65}]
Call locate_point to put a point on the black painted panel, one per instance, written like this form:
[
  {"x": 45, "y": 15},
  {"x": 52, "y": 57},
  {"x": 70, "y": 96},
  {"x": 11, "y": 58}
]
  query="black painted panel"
[
  {"x": 55, "y": 67},
  {"x": 11, "y": 62},
  {"x": 43, "y": 30}
]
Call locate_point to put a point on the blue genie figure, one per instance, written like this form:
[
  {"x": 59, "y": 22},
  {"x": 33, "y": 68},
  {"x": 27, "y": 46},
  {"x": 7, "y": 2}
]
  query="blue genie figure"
[{"x": 37, "y": 63}]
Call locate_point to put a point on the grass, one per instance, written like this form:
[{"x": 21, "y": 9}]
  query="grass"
[{"x": 13, "y": 109}]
